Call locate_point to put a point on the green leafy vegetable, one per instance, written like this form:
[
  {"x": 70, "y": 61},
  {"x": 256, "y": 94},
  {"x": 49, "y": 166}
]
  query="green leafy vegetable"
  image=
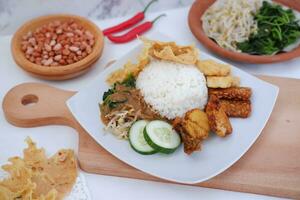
[
  {"x": 277, "y": 28},
  {"x": 113, "y": 104},
  {"x": 108, "y": 93},
  {"x": 128, "y": 82}
]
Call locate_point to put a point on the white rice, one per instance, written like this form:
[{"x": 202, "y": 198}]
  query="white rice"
[{"x": 172, "y": 89}]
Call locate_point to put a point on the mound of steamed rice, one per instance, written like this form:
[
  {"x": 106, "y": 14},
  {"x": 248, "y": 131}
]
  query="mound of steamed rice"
[{"x": 172, "y": 89}]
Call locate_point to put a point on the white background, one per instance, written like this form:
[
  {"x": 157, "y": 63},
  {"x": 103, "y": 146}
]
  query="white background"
[
  {"x": 55, "y": 137},
  {"x": 15, "y": 12}
]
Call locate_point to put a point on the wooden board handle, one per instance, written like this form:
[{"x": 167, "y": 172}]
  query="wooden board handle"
[{"x": 36, "y": 104}]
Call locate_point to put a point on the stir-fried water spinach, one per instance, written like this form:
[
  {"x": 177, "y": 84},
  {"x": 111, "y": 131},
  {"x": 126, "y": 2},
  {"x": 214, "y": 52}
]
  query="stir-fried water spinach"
[
  {"x": 128, "y": 82},
  {"x": 277, "y": 29}
]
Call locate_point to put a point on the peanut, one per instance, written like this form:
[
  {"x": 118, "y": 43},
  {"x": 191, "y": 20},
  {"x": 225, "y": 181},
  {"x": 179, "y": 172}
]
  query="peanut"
[
  {"x": 48, "y": 62},
  {"x": 57, "y": 43},
  {"x": 57, "y": 57},
  {"x": 73, "y": 48},
  {"x": 57, "y": 47}
]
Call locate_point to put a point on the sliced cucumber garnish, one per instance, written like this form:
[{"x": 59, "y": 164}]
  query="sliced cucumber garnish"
[
  {"x": 161, "y": 136},
  {"x": 137, "y": 140}
]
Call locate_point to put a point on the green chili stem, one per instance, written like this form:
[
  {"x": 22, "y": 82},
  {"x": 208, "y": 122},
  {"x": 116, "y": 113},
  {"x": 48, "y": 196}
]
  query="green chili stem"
[
  {"x": 148, "y": 5},
  {"x": 162, "y": 15}
]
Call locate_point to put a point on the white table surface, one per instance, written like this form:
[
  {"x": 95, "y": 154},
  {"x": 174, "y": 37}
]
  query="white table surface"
[{"x": 54, "y": 137}]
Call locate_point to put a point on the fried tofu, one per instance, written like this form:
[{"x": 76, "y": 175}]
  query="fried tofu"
[
  {"x": 193, "y": 128},
  {"x": 235, "y": 108},
  {"x": 222, "y": 81},
  {"x": 217, "y": 118},
  {"x": 212, "y": 68},
  {"x": 232, "y": 93}
]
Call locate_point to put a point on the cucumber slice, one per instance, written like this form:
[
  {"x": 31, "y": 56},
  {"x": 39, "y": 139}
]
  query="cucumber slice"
[
  {"x": 161, "y": 136},
  {"x": 137, "y": 140}
]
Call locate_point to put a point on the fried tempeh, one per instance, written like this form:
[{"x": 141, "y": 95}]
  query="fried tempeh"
[
  {"x": 234, "y": 108},
  {"x": 217, "y": 118},
  {"x": 193, "y": 128},
  {"x": 222, "y": 81},
  {"x": 212, "y": 68},
  {"x": 234, "y": 93}
]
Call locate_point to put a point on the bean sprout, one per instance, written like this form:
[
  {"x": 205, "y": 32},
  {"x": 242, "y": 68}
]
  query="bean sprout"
[
  {"x": 229, "y": 22},
  {"x": 121, "y": 121}
]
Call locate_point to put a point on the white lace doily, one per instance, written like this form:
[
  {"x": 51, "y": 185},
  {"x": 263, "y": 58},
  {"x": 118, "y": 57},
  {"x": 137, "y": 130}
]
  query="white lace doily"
[{"x": 79, "y": 191}]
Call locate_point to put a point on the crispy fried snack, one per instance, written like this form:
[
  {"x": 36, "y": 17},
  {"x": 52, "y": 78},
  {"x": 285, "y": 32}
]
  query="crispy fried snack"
[
  {"x": 129, "y": 68},
  {"x": 160, "y": 50},
  {"x": 19, "y": 183},
  {"x": 193, "y": 128},
  {"x": 171, "y": 51},
  {"x": 6, "y": 194},
  {"x": 212, "y": 68},
  {"x": 222, "y": 81},
  {"x": 234, "y": 93},
  {"x": 36, "y": 177},
  {"x": 235, "y": 108},
  {"x": 217, "y": 118}
]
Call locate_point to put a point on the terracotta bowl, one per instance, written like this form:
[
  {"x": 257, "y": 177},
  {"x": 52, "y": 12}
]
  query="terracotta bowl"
[
  {"x": 195, "y": 24},
  {"x": 56, "y": 72}
]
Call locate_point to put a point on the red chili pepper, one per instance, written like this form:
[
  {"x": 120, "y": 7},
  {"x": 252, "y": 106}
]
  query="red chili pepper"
[
  {"x": 128, "y": 23},
  {"x": 133, "y": 33}
]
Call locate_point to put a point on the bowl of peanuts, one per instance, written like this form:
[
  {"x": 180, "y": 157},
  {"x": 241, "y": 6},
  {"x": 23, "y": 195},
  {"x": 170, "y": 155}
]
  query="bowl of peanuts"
[{"x": 57, "y": 47}]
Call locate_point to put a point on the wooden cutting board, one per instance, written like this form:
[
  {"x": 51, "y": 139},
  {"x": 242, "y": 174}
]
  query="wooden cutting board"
[{"x": 270, "y": 167}]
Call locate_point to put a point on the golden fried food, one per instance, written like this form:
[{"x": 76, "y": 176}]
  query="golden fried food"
[
  {"x": 19, "y": 184},
  {"x": 129, "y": 68},
  {"x": 38, "y": 178},
  {"x": 212, "y": 68},
  {"x": 172, "y": 52},
  {"x": 222, "y": 81},
  {"x": 6, "y": 194},
  {"x": 193, "y": 121},
  {"x": 234, "y": 93},
  {"x": 160, "y": 50},
  {"x": 193, "y": 128},
  {"x": 234, "y": 108},
  {"x": 217, "y": 118}
]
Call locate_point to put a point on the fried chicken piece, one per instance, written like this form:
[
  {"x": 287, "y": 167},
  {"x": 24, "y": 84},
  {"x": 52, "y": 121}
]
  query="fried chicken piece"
[
  {"x": 234, "y": 93},
  {"x": 222, "y": 81},
  {"x": 217, "y": 118},
  {"x": 234, "y": 108},
  {"x": 193, "y": 128},
  {"x": 212, "y": 68}
]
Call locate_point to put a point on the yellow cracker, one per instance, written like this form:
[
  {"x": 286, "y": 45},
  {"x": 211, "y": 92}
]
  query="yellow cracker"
[
  {"x": 129, "y": 68},
  {"x": 35, "y": 177},
  {"x": 6, "y": 194},
  {"x": 169, "y": 51}
]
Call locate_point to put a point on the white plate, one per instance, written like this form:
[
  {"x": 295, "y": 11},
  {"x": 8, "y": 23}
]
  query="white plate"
[{"x": 217, "y": 153}]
